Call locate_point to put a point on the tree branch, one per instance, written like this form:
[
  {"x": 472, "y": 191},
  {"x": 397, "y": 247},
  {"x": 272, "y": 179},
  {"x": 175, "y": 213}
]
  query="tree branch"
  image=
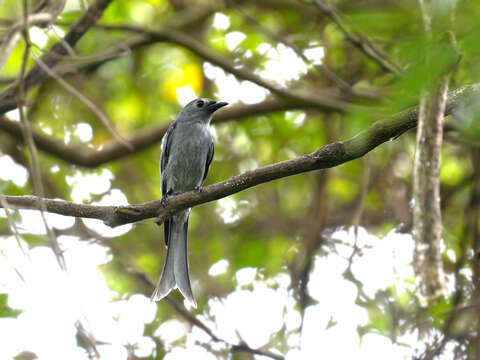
[
  {"x": 116, "y": 150},
  {"x": 427, "y": 214},
  {"x": 28, "y": 138},
  {"x": 323, "y": 101},
  {"x": 360, "y": 41},
  {"x": 84, "y": 156},
  {"x": 328, "y": 156},
  {"x": 54, "y": 55},
  {"x": 169, "y": 33},
  {"x": 180, "y": 21},
  {"x": 39, "y": 16}
]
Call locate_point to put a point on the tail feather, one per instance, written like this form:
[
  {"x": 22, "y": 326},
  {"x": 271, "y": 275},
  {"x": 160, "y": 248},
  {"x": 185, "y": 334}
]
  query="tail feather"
[{"x": 175, "y": 270}]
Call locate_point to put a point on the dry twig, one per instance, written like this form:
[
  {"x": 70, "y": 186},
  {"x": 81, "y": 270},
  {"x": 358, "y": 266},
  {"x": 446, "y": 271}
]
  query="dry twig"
[{"x": 28, "y": 138}]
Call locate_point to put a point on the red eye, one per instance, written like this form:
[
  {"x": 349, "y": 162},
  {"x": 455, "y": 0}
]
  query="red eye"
[{"x": 200, "y": 103}]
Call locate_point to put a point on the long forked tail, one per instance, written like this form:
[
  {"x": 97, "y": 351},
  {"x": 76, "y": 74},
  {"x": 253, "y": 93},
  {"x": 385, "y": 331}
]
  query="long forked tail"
[{"x": 175, "y": 270}]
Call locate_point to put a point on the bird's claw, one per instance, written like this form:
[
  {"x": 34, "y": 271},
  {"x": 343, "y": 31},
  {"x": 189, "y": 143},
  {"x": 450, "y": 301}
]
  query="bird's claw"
[{"x": 164, "y": 201}]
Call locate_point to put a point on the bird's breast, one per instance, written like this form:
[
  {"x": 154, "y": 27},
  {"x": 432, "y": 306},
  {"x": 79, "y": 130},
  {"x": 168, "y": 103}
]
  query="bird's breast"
[{"x": 188, "y": 156}]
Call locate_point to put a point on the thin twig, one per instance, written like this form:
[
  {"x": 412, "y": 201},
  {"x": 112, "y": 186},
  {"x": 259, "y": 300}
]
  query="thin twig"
[
  {"x": 334, "y": 78},
  {"x": 304, "y": 262},
  {"x": 323, "y": 101},
  {"x": 19, "y": 274},
  {"x": 27, "y": 134},
  {"x": 9, "y": 43},
  {"x": 7, "y": 79},
  {"x": 8, "y": 97},
  {"x": 320, "y": 99},
  {"x": 87, "y": 102},
  {"x": 11, "y": 223},
  {"x": 177, "y": 306},
  {"x": 13, "y": 35},
  {"x": 361, "y": 41}
]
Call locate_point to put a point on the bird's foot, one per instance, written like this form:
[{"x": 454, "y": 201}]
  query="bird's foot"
[
  {"x": 198, "y": 188},
  {"x": 164, "y": 200}
]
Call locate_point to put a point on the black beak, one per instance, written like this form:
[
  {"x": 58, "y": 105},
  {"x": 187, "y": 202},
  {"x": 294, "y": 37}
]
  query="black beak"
[{"x": 214, "y": 106}]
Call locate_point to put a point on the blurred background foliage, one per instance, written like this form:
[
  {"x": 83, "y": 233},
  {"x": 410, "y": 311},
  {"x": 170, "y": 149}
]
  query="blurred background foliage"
[{"x": 282, "y": 227}]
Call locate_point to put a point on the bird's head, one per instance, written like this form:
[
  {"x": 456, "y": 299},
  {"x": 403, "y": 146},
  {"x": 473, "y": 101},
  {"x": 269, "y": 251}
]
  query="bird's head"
[{"x": 200, "y": 110}]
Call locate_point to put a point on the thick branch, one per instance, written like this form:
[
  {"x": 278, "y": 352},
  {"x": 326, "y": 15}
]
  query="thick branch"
[
  {"x": 84, "y": 156},
  {"x": 327, "y": 156},
  {"x": 427, "y": 214}
]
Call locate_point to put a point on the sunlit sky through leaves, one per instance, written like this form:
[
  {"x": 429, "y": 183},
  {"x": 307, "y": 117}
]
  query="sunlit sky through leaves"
[{"x": 82, "y": 293}]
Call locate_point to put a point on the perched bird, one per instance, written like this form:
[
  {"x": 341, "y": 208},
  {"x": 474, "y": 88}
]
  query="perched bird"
[{"x": 187, "y": 151}]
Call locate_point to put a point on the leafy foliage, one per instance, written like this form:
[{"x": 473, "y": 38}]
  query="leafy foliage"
[{"x": 5, "y": 310}]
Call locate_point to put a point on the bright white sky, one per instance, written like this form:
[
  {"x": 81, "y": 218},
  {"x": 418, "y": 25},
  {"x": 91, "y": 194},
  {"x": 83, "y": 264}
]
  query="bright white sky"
[{"x": 52, "y": 300}]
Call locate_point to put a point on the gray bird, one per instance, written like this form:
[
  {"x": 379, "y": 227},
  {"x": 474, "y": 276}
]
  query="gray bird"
[{"x": 187, "y": 152}]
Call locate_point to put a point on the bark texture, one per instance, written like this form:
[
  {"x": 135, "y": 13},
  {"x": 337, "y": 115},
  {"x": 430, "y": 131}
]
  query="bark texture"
[{"x": 427, "y": 215}]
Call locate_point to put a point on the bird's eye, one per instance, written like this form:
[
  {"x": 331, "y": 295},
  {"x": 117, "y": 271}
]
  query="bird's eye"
[{"x": 200, "y": 103}]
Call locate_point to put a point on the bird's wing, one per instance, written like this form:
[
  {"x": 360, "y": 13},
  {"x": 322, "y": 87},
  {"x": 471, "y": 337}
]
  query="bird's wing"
[
  {"x": 166, "y": 144},
  {"x": 210, "y": 153}
]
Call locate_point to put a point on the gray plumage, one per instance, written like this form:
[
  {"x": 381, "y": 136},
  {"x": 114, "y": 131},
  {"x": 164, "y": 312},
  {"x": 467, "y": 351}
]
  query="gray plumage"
[{"x": 187, "y": 152}]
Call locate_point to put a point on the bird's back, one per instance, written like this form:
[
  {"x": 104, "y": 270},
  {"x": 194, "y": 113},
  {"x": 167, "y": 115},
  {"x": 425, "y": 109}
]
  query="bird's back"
[{"x": 190, "y": 144}]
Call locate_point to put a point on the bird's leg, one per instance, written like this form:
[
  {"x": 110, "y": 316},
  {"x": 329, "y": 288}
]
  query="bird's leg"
[
  {"x": 164, "y": 200},
  {"x": 198, "y": 188}
]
